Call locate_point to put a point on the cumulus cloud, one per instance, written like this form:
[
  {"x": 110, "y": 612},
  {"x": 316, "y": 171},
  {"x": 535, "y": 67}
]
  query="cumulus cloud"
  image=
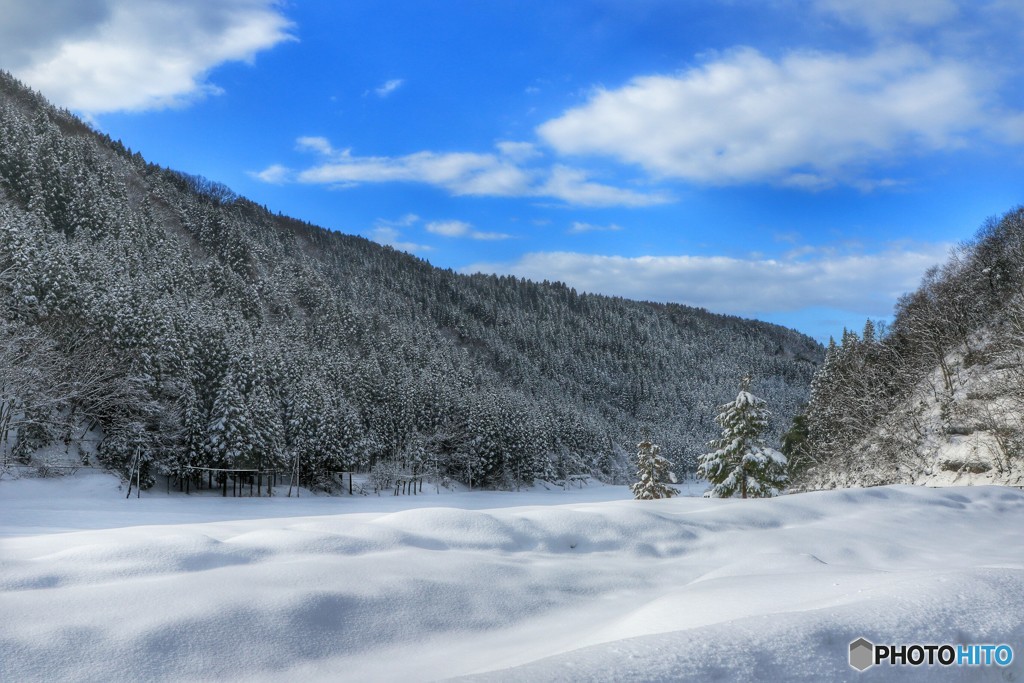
[
  {"x": 463, "y": 174},
  {"x": 808, "y": 119},
  {"x": 865, "y": 283},
  {"x": 99, "y": 56},
  {"x": 33, "y": 29}
]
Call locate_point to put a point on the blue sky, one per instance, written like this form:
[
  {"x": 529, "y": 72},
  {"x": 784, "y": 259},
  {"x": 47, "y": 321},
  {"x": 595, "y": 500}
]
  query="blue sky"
[{"x": 801, "y": 162}]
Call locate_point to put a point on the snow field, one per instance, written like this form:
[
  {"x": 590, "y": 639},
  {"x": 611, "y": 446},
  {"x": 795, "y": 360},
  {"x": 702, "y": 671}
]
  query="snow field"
[{"x": 580, "y": 585}]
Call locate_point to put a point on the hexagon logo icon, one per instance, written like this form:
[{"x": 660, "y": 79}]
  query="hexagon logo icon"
[{"x": 862, "y": 654}]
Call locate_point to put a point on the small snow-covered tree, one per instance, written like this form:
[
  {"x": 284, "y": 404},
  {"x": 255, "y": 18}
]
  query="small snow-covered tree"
[
  {"x": 652, "y": 474},
  {"x": 740, "y": 462}
]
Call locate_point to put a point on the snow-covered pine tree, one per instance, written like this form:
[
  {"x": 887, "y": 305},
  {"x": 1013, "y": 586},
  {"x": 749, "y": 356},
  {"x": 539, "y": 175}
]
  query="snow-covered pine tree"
[
  {"x": 652, "y": 474},
  {"x": 740, "y": 462},
  {"x": 230, "y": 436}
]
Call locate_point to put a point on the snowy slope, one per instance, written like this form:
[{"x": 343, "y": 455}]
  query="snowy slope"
[
  {"x": 968, "y": 432},
  {"x": 580, "y": 585}
]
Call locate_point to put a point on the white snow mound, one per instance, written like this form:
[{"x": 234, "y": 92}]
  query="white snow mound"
[{"x": 564, "y": 589}]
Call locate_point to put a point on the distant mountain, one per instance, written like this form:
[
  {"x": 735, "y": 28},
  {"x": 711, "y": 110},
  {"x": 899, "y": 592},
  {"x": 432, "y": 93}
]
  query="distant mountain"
[
  {"x": 147, "y": 313},
  {"x": 938, "y": 397}
]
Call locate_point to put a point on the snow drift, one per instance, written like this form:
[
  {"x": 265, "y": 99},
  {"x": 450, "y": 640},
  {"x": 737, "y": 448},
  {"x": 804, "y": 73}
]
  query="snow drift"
[{"x": 569, "y": 587}]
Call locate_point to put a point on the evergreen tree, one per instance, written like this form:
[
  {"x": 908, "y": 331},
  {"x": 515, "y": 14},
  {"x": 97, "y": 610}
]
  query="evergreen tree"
[
  {"x": 741, "y": 463},
  {"x": 652, "y": 474},
  {"x": 230, "y": 436},
  {"x": 796, "y": 446}
]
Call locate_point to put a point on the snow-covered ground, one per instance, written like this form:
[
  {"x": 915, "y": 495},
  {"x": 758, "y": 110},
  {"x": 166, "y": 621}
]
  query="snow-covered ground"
[{"x": 544, "y": 585}]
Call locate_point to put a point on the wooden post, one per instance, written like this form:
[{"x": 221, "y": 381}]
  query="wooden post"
[
  {"x": 350, "y": 483},
  {"x": 225, "y": 493},
  {"x": 131, "y": 474}
]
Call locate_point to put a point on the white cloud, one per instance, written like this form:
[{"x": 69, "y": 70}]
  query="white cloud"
[
  {"x": 883, "y": 16},
  {"x": 99, "y": 56},
  {"x": 809, "y": 119},
  {"x": 392, "y": 237},
  {"x": 449, "y": 228},
  {"x": 389, "y": 232},
  {"x": 578, "y": 228},
  {"x": 864, "y": 283},
  {"x": 310, "y": 143},
  {"x": 518, "y": 151},
  {"x": 490, "y": 236},
  {"x": 389, "y": 87},
  {"x": 463, "y": 229},
  {"x": 275, "y": 174},
  {"x": 462, "y": 173},
  {"x": 466, "y": 173},
  {"x": 407, "y": 220},
  {"x": 573, "y": 186}
]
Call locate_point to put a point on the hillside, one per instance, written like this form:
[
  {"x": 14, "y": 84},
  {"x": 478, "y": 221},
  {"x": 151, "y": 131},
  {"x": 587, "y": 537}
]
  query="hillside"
[
  {"x": 147, "y": 313},
  {"x": 938, "y": 397}
]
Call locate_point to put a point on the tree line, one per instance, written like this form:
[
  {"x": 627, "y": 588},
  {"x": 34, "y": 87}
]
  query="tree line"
[{"x": 867, "y": 414}]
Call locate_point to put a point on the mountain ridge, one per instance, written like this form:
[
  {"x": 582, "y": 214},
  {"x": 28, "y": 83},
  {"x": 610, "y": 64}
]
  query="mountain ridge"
[{"x": 232, "y": 336}]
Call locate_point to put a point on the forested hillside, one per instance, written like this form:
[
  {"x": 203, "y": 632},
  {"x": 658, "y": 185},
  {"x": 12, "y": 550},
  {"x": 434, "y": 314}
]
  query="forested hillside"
[
  {"x": 146, "y": 312},
  {"x": 937, "y": 397}
]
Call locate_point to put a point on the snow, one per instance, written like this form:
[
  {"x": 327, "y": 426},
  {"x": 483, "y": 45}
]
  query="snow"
[
  {"x": 967, "y": 434},
  {"x": 553, "y": 585}
]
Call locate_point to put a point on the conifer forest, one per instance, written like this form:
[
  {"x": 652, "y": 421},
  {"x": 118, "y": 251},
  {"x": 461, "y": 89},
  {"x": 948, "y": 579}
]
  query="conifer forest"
[{"x": 157, "y": 321}]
